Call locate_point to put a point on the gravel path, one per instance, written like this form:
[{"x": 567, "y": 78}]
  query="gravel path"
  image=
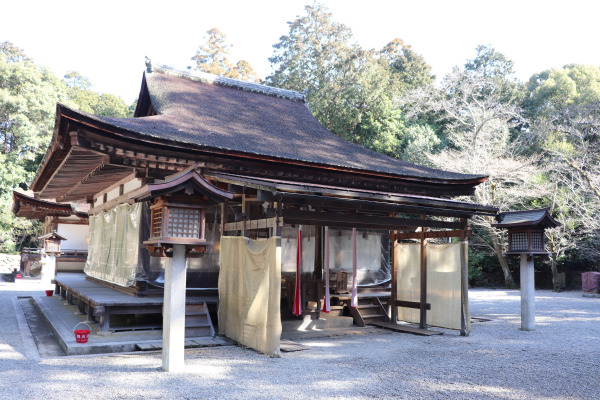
[{"x": 559, "y": 360}]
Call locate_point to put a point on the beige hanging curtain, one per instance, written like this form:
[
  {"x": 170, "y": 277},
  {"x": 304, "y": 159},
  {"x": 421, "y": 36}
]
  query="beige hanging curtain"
[
  {"x": 250, "y": 292},
  {"x": 443, "y": 283}
]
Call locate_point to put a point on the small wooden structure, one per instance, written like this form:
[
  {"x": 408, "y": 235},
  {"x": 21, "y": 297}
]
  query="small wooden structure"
[
  {"x": 65, "y": 219},
  {"x": 51, "y": 242},
  {"x": 526, "y": 238}
]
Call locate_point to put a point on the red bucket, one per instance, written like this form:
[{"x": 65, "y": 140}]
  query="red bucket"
[
  {"x": 49, "y": 292},
  {"x": 81, "y": 335}
]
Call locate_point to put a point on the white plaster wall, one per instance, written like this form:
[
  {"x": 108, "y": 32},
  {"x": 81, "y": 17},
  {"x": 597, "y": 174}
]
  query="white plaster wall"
[
  {"x": 132, "y": 185},
  {"x": 113, "y": 194},
  {"x": 76, "y": 236}
]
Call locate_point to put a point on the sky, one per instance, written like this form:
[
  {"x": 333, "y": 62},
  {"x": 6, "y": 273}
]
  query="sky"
[{"x": 107, "y": 41}]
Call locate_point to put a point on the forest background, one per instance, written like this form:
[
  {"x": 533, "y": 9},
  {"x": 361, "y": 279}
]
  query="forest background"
[{"x": 538, "y": 141}]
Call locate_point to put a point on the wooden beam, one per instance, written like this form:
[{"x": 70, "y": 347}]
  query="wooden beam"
[
  {"x": 423, "y": 310},
  {"x": 361, "y": 221},
  {"x": 434, "y": 207},
  {"x": 431, "y": 234},
  {"x": 411, "y": 304},
  {"x": 264, "y": 223},
  {"x": 116, "y": 185}
]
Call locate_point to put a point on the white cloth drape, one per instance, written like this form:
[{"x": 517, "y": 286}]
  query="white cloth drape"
[
  {"x": 114, "y": 247},
  {"x": 250, "y": 292}
]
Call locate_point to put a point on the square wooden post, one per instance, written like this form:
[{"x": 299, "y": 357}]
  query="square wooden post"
[
  {"x": 465, "y": 314},
  {"x": 423, "y": 300},
  {"x": 527, "y": 293},
  {"x": 394, "y": 294},
  {"x": 174, "y": 312}
]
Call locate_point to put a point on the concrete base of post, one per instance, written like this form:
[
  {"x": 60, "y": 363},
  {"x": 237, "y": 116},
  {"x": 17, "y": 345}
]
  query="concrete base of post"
[
  {"x": 527, "y": 293},
  {"x": 174, "y": 312},
  {"x": 48, "y": 271}
]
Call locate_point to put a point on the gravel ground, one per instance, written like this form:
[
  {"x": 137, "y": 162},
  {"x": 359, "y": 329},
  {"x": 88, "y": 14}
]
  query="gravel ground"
[{"x": 559, "y": 360}]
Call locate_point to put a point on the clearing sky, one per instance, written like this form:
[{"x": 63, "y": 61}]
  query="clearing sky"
[{"x": 107, "y": 41}]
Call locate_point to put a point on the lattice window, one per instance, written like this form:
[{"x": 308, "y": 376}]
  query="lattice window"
[
  {"x": 157, "y": 219},
  {"x": 537, "y": 240},
  {"x": 518, "y": 241},
  {"x": 184, "y": 222}
]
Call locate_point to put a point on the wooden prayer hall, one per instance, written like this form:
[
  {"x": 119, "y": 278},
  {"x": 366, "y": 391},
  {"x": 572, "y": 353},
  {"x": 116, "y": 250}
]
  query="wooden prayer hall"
[{"x": 233, "y": 188}]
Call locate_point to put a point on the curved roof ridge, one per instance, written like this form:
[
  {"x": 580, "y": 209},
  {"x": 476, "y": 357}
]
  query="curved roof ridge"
[{"x": 205, "y": 77}]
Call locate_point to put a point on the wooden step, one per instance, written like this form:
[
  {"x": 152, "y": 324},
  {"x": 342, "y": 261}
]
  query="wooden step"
[{"x": 197, "y": 321}]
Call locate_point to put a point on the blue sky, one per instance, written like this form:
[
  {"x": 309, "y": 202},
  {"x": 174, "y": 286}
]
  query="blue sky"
[{"x": 107, "y": 41}]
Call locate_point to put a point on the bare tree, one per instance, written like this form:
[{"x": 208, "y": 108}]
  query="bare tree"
[{"x": 480, "y": 112}]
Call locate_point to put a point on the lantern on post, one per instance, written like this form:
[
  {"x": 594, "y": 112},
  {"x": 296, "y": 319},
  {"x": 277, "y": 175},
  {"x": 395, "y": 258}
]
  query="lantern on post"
[
  {"x": 526, "y": 238},
  {"x": 52, "y": 242},
  {"x": 49, "y": 254},
  {"x": 177, "y": 228}
]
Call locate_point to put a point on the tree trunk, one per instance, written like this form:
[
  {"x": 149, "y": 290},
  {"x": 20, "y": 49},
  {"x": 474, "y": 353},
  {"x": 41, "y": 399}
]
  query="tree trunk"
[
  {"x": 508, "y": 279},
  {"x": 553, "y": 266}
]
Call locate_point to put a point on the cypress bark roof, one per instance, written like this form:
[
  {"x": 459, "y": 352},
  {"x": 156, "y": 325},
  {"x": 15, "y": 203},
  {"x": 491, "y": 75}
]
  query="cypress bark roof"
[{"x": 205, "y": 111}]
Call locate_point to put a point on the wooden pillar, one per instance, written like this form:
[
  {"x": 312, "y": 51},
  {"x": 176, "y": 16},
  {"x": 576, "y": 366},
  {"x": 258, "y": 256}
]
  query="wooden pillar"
[
  {"x": 224, "y": 208},
  {"x": 465, "y": 314},
  {"x": 318, "y": 264},
  {"x": 394, "y": 310},
  {"x": 278, "y": 213},
  {"x": 423, "y": 302},
  {"x": 174, "y": 312},
  {"x": 244, "y": 215}
]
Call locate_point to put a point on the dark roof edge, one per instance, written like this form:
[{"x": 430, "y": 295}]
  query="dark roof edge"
[
  {"x": 96, "y": 122},
  {"x": 544, "y": 216},
  {"x": 195, "y": 75}
]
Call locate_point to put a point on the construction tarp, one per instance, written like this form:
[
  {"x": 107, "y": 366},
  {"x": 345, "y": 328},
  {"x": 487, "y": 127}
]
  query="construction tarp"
[
  {"x": 115, "y": 244},
  {"x": 443, "y": 283},
  {"x": 250, "y": 292}
]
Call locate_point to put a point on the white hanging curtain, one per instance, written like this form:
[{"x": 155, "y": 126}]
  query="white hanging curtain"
[
  {"x": 250, "y": 292},
  {"x": 443, "y": 283},
  {"x": 114, "y": 247}
]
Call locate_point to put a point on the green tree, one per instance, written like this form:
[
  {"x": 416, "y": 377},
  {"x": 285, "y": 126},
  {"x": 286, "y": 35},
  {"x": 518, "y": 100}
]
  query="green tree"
[
  {"x": 409, "y": 69},
  {"x": 81, "y": 96},
  {"x": 213, "y": 57},
  {"x": 350, "y": 90},
  {"x": 564, "y": 108},
  {"x": 28, "y": 97}
]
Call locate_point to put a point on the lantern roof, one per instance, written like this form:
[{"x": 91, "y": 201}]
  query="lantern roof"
[
  {"x": 188, "y": 181},
  {"x": 52, "y": 235},
  {"x": 536, "y": 219}
]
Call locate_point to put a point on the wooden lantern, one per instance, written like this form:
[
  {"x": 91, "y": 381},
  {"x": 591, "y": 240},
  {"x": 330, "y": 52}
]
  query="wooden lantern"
[
  {"x": 52, "y": 242},
  {"x": 526, "y": 230},
  {"x": 178, "y": 212},
  {"x": 173, "y": 223}
]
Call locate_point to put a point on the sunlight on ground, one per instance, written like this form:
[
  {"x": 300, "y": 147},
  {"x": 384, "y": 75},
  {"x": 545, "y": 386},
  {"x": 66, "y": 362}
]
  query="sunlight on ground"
[
  {"x": 341, "y": 384},
  {"x": 496, "y": 295},
  {"x": 322, "y": 344},
  {"x": 8, "y": 353},
  {"x": 564, "y": 318}
]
